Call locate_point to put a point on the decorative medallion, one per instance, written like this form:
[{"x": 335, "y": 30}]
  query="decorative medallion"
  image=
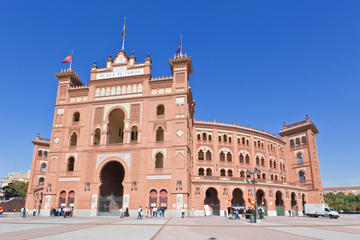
[
  {"x": 179, "y": 132},
  {"x": 56, "y": 140}
]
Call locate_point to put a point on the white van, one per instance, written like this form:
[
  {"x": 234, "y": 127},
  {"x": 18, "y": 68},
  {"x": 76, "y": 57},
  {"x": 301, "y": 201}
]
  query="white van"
[{"x": 316, "y": 210}]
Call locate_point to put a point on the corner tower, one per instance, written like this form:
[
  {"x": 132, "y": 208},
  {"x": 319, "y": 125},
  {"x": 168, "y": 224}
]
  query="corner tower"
[{"x": 303, "y": 157}]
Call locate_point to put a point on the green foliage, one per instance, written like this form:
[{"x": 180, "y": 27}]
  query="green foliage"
[
  {"x": 342, "y": 201},
  {"x": 16, "y": 189}
]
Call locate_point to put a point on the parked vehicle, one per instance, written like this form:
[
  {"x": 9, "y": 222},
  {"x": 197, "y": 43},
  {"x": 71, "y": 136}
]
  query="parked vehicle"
[{"x": 316, "y": 210}]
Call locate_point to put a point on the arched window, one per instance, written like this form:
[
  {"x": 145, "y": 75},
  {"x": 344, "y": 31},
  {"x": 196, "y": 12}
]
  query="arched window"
[
  {"x": 242, "y": 174},
  {"x": 241, "y": 158},
  {"x": 201, "y": 172},
  {"x": 272, "y": 177},
  {"x": 71, "y": 199},
  {"x": 225, "y": 138},
  {"x": 230, "y": 173},
  {"x": 303, "y": 140},
  {"x": 159, "y": 162},
  {"x": 243, "y": 140},
  {"x": 222, "y": 156},
  {"x": 257, "y": 161},
  {"x": 43, "y": 167},
  {"x": 70, "y": 164},
  {"x": 284, "y": 167},
  {"x": 299, "y": 157},
  {"x": 297, "y": 141},
  {"x": 229, "y": 139},
  {"x": 292, "y": 143},
  {"x": 274, "y": 164},
  {"x": 116, "y": 126},
  {"x": 76, "y": 117},
  {"x": 276, "y": 177},
  {"x": 222, "y": 173},
  {"x": 270, "y": 163},
  {"x": 160, "y": 110},
  {"x": 204, "y": 136},
  {"x": 208, "y": 172},
  {"x": 258, "y": 176},
  {"x": 263, "y": 176},
  {"x": 73, "y": 139},
  {"x": 45, "y": 154},
  {"x": 219, "y": 138},
  {"x": 41, "y": 180},
  {"x": 209, "y": 137},
  {"x": 262, "y": 161},
  {"x": 201, "y": 155},
  {"x": 40, "y": 153},
  {"x": 159, "y": 134},
  {"x": 247, "y": 159},
  {"x": 247, "y": 143},
  {"x": 302, "y": 176},
  {"x": 229, "y": 157},
  {"x": 97, "y": 136},
  {"x": 134, "y": 134},
  {"x": 208, "y": 155},
  {"x": 198, "y": 137}
]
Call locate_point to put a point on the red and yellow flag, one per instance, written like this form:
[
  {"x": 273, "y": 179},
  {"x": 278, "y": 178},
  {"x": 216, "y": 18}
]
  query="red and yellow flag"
[
  {"x": 123, "y": 31},
  {"x": 67, "y": 59},
  {"x": 228, "y": 200}
]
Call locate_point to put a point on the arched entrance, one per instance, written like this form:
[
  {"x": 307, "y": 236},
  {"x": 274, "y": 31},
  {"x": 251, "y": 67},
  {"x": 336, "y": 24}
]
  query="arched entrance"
[
  {"x": 211, "y": 202},
  {"x": 303, "y": 201},
  {"x": 260, "y": 200},
  {"x": 71, "y": 199},
  {"x": 153, "y": 198},
  {"x": 116, "y": 126},
  {"x": 62, "y": 199},
  {"x": 279, "y": 203},
  {"x": 163, "y": 198},
  {"x": 111, "y": 188},
  {"x": 237, "y": 198},
  {"x": 293, "y": 202}
]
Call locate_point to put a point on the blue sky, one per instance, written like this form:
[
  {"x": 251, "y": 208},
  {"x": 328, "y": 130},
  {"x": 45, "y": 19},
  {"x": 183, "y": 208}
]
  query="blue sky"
[{"x": 256, "y": 63}]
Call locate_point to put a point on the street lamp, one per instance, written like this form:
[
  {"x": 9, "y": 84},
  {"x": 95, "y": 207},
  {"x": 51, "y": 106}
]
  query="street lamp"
[{"x": 253, "y": 181}]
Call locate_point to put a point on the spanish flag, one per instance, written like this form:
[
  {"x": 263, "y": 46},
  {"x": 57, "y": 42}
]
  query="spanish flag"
[
  {"x": 123, "y": 31},
  {"x": 228, "y": 200},
  {"x": 251, "y": 201}
]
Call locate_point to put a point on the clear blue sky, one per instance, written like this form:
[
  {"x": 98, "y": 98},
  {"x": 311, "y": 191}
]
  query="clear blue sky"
[{"x": 255, "y": 63}]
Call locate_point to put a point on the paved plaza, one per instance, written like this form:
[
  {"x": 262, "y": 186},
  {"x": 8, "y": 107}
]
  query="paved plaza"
[{"x": 14, "y": 227}]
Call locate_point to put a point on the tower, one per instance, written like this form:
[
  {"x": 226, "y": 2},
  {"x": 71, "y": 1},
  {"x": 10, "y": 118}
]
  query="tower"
[{"x": 303, "y": 159}]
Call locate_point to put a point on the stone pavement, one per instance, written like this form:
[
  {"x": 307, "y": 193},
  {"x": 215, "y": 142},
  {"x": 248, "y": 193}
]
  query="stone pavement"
[{"x": 14, "y": 227}]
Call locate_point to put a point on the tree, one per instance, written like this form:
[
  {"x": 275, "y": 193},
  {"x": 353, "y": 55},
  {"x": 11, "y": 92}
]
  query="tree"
[{"x": 16, "y": 189}]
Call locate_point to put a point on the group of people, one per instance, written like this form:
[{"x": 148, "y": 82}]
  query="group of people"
[
  {"x": 124, "y": 212},
  {"x": 152, "y": 212},
  {"x": 62, "y": 212},
  {"x": 234, "y": 213}
]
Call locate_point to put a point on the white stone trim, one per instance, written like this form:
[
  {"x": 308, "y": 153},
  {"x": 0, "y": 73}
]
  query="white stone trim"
[
  {"x": 225, "y": 150},
  {"x": 69, "y": 179}
]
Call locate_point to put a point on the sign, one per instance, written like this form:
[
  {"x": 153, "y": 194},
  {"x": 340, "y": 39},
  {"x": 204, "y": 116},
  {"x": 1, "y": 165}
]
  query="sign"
[
  {"x": 158, "y": 177},
  {"x": 120, "y": 72}
]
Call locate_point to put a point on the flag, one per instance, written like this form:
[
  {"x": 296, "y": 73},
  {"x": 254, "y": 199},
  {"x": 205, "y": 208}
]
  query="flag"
[
  {"x": 179, "y": 49},
  {"x": 123, "y": 31},
  {"x": 251, "y": 200},
  {"x": 228, "y": 200},
  {"x": 67, "y": 59}
]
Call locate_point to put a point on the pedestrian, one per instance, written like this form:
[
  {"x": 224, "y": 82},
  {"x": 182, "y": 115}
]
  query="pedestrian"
[
  {"x": 139, "y": 213},
  {"x": 34, "y": 212},
  {"x": 151, "y": 211},
  {"x": 147, "y": 211},
  {"x": 236, "y": 214},
  {"x": 23, "y": 212},
  {"x": 163, "y": 211},
  {"x": 121, "y": 213},
  {"x": 54, "y": 212},
  {"x": 71, "y": 211},
  {"x": 127, "y": 212},
  {"x": 293, "y": 213},
  {"x": 154, "y": 212},
  {"x": 183, "y": 212},
  {"x": 289, "y": 211}
]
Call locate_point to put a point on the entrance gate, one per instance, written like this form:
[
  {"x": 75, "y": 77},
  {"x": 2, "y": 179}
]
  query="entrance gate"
[{"x": 280, "y": 211}]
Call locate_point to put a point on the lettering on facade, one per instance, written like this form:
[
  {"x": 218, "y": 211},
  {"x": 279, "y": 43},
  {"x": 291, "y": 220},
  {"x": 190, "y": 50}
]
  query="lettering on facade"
[
  {"x": 158, "y": 177},
  {"x": 120, "y": 72}
]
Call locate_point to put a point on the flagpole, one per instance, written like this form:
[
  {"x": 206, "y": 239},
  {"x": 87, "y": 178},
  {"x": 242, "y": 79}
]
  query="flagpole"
[
  {"x": 71, "y": 58},
  {"x": 180, "y": 43},
  {"x": 124, "y": 29}
]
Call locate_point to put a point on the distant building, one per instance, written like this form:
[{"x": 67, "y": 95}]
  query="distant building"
[
  {"x": 346, "y": 190},
  {"x": 13, "y": 177}
]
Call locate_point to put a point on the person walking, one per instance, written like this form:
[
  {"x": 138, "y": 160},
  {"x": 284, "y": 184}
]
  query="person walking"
[
  {"x": 139, "y": 213},
  {"x": 54, "y": 212},
  {"x": 155, "y": 212},
  {"x": 23, "y": 212},
  {"x": 183, "y": 212},
  {"x": 121, "y": 213}
]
